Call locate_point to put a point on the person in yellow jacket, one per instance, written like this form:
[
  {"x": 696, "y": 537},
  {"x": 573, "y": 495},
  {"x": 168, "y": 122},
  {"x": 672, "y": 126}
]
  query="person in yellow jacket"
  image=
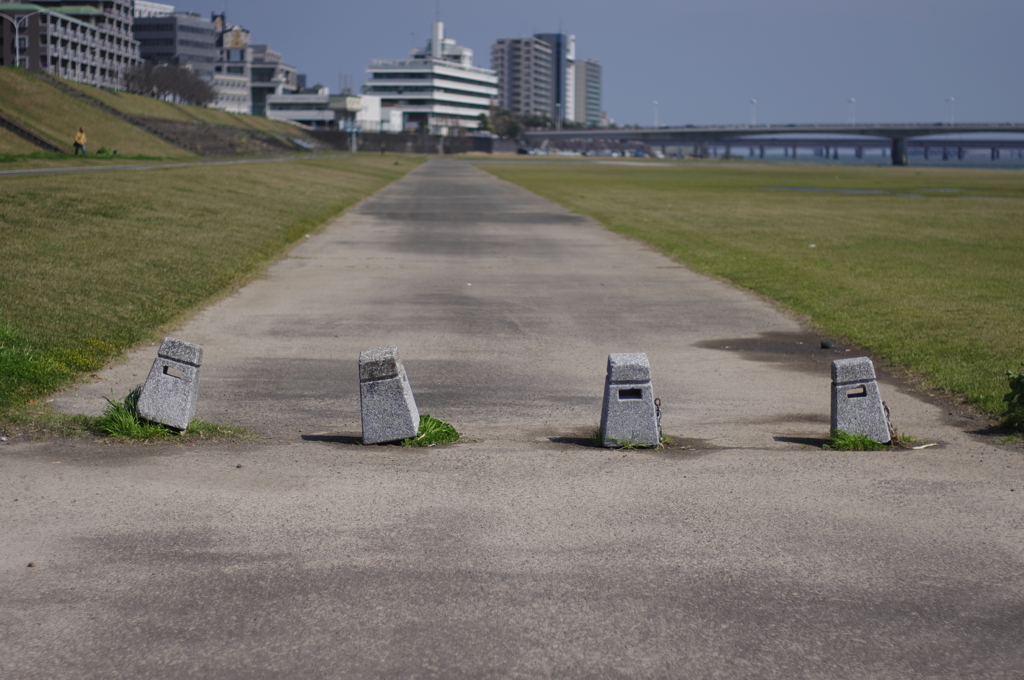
[{"x": 80, "y": 142}]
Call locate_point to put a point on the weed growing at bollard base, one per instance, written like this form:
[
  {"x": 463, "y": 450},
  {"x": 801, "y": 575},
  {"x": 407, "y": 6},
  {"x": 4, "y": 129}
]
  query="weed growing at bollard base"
[
  {"x": 844, "y": 441},
  {"x": 121, "y": 420},
  {"x": 433, "y": 431}
]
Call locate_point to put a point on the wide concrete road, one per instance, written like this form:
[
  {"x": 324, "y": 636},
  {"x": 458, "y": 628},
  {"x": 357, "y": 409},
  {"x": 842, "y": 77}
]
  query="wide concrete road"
[{"x": 522, "y": 551}]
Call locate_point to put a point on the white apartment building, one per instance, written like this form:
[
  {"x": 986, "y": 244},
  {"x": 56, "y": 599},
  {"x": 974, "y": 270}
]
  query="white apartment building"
[{"x": 438, "y": 88}]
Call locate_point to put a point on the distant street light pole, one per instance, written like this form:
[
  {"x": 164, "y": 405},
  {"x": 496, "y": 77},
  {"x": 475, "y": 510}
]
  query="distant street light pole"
[
  {"x": 753, "y": 113},
  {"x": 851, "y": 112},
  {"x": 17, "y": 21},
  {"x": 558, "y": 116},
  {"x": 655, "y": 115},
  {"x": 949, "y": 110}
]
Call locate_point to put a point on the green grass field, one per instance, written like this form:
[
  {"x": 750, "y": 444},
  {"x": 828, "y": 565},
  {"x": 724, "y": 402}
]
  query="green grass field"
[
  {"x": 95, "y": 263},
  {"x": 58, "y": 115},
  {"x": 928, "y": 274}
]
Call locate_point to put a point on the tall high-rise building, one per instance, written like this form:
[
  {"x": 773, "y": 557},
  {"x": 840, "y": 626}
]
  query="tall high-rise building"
[
  {"x": 524, "y": 68},
  {"x": 437, "y": 88},
  {"x": 588, "y": 92},
  {"x": 88, "y": 41},
  {"x": 563, "y": 75}
]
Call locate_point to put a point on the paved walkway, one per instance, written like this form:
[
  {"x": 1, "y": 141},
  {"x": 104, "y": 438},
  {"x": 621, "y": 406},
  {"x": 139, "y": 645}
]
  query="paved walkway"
[{"x": 520, "y": 552}]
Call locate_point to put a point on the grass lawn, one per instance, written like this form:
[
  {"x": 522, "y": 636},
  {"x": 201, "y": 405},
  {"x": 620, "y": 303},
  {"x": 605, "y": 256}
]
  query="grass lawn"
[
  {"x": 57, "y": 115},
  {"x": 95, "y": 263},
  {"x": 928, "y": 273}
]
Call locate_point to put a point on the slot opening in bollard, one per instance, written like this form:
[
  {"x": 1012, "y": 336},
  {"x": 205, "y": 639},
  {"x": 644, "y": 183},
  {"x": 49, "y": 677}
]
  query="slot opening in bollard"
[
  {"x": 631, "y": 394},
  {"x": 174, "y": 372},
  {"x": 861, "y": 391}
]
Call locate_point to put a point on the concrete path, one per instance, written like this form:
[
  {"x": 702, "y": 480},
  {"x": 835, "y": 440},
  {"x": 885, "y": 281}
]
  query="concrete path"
[{"x": 742, "y": 551}]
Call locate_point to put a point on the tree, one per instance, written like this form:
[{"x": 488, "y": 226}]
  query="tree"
[
  {"x": 504, "y": 124},
  {"x": 485, "y": 123},
  {"x": 165, "y": 81}
]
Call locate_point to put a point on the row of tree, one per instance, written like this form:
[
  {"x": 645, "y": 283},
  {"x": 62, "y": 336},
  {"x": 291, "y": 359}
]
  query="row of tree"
[{"x": 169, "y": 82}]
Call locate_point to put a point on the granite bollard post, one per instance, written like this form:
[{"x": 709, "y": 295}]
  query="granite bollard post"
[
  {"x": 856, "y": 403},
  {"x": 387, "y": 406},
  {"x": 629, "y": 414},
  {"x": 171, "y": 390}
]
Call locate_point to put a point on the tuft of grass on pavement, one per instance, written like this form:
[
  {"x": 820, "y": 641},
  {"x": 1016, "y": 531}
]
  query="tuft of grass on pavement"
[
  {"x": 844, "y": 441},
  {"x": 433, "y": 431},
  {"x": 121, "y": 420}
]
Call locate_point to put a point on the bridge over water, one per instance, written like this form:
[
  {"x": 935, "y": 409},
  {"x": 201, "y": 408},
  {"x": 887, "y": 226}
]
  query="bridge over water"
[{"x": 898, "y": 138}]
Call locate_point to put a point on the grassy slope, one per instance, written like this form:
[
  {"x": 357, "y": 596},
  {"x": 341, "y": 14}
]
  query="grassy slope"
[
  {"x": 97, "y": 263},
  {"x": 131, "y": 104},
  {"x": 138, "y": 105},
  {"x": 11, "y": 143},
  {"x": 932, "y": 282},
  {"x": 57, "y": 115}
]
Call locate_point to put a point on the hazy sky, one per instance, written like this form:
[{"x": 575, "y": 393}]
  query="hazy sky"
[{"x": 702, "y": 60}]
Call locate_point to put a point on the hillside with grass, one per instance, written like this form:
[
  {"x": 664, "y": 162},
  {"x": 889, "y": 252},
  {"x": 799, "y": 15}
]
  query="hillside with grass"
[
  {"x": 12, "y": 144},
  {"x": 131, "y": 124},
  {"x": 57, "y": 115},
  {"x": 198, "y": 128}
]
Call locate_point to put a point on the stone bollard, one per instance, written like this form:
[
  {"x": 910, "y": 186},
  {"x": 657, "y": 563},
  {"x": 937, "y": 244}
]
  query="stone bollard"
[
  {"x": 629, "y": 414},
  {"x": 386, "y": 403},
  {"x": 856, "y": 403},
  {"x": 171, "y": 391}
]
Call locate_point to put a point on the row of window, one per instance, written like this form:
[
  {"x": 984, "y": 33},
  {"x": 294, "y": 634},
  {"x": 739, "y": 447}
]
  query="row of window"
[{"x": 420, "y": 75}]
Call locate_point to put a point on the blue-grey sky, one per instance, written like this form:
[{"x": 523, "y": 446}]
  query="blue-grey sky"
[{"x": 702, "y": 60}]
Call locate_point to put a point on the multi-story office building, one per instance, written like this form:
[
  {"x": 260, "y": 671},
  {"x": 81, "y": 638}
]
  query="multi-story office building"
[
  {"x": 563, "y": 75},
  {"x": 438, "y": 88},
  {"x": 231, "y": 74},
  {"x": 88, "y": 41},
  {"x": 245, "y": 74},
  {"x": 181, "y": 39},
  {"x": 588, "y": 92},
  {"x": 269, "y": 76},
  {"x": 524, "y": 69}
]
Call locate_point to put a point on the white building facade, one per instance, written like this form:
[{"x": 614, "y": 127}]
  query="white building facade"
[{"x": 438, "y": 89}]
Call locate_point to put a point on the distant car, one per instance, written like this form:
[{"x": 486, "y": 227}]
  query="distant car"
[{"x": 523, "y": 151}]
